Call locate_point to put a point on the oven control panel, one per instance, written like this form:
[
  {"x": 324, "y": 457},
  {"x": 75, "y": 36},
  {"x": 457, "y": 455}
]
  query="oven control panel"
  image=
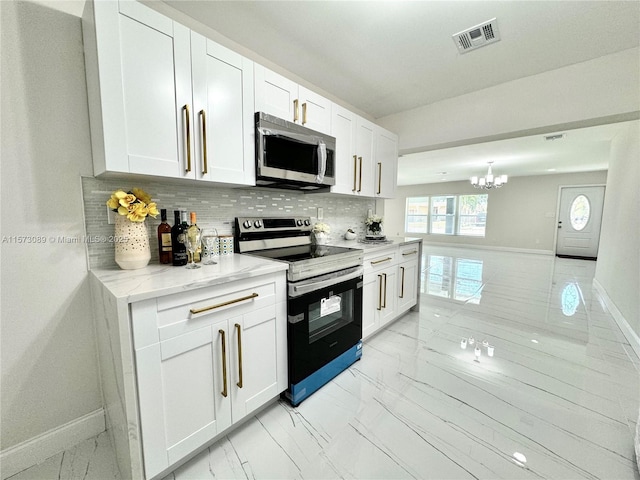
[{"x": 272, "y": 224}]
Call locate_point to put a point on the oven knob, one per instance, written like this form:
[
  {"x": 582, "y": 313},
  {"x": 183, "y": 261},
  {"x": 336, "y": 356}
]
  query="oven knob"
[
  {"x": 299, "y": 222},
  {"x": 246, "y": 224},
  {"x": 257, "y": 223},
  {"x": 307, "y": 222}
]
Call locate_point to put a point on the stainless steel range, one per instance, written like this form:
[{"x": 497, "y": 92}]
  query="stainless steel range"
[{"x": 324, "y": 303}]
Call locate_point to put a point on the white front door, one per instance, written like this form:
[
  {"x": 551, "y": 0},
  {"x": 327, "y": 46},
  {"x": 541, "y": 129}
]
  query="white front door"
[{"x": 579, "y": 221}]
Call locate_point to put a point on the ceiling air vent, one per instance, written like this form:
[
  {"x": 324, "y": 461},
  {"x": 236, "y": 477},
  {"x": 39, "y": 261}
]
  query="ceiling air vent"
[{"x": 478, "y": 36}]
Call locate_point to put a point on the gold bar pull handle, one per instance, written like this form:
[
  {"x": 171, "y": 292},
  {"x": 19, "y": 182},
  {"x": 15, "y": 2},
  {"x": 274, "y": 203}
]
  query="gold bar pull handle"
[
  {"x": 360, "y": 186},
  {"x": 295, "y": 110},
  {"x": 412, "y": 252},
  {"x": 402, "y": 284},
  {"x": 204, "y": 142},
  {"x": 381, "y": 261},
  {"x": 379, "y": 307},
  {"x": 379, "y": 177},
  {"x": 187, "y": 123},
  {"x": 239, "y": 330},
  {"x": 304, "y": 113},
  {"x": 223, "y": 304},
  {"x": 384, "y": 305},
  {"x": 355, "y": 173},
  {"x": 224, "y": 362}
]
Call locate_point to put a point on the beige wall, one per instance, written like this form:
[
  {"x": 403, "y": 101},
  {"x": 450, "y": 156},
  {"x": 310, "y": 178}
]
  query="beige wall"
[
  {"x": 49, "y": 366},
  {"x": 618, "y": 268},
  {"x": 521, "y": 215}
]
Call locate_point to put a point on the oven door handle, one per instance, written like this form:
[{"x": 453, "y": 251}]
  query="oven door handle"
[{"x": 311, "y": 285}]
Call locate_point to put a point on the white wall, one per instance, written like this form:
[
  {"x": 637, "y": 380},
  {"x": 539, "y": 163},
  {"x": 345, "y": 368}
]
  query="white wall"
[
  {"x": 604, "y": 88},
  {"x": 49, "y": 367},
  {"x": 618, "y": 269},
  {"x": 521, "y": 215}
]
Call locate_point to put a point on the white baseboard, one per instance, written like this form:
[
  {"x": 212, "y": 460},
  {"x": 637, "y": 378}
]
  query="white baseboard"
[
  {"x": 631, "y": 336},
  {"x": 39, "y": 448}
]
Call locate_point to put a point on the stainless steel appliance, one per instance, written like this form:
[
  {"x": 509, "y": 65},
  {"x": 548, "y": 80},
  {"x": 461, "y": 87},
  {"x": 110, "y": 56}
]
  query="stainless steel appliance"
[
  {"x": 291, "y": 156},
  {"x": 324, "y": 301}
]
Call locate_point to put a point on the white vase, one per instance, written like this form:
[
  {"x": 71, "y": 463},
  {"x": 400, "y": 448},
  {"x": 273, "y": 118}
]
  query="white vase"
[
  {"x": 131, "y": 242},
  {"x": 321, "y": 238}
]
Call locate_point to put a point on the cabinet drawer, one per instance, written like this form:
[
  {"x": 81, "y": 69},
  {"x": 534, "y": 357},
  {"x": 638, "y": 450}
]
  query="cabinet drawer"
[
  {"x": 380, "y": 260},
  {"x": 162, "y": 318},
  {"x": 409, "y": 252}
]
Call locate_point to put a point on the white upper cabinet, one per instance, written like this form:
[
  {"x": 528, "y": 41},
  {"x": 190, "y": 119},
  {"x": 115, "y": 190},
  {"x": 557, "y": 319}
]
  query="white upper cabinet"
[
  {"x": 386, "y": 163},
  {"x": 366, "y": 156},
  {"x": 284, "y": 98},
  {"x": 149, "y": 95},
  {"x": 223, "y": 110}
]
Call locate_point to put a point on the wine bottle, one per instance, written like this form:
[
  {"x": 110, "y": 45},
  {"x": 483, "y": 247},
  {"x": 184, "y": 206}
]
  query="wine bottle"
[
  {"x": 192, "y": 231},
  {"x": 164, "y": 238},
  {"x": 178, "y": 248}
]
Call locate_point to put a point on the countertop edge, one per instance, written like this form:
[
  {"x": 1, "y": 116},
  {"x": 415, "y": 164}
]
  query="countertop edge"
[{"x": 155, "y": 280}]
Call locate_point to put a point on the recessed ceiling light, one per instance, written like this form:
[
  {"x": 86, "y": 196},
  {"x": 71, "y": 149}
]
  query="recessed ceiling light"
[
  {"x": 551, "y": 169},
  {"x": 443, "y": 173}
]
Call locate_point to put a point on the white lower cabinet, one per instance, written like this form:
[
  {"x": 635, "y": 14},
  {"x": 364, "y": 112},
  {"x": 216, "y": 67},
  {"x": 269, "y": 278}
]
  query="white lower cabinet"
[
  {"x": 390, "y": 287},
  {"x": 204, "y": 360},
  {"x": 408, "y": 271}
]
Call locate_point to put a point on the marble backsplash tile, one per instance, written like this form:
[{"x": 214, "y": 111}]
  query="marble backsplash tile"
[{"x": 215, "y": 206}]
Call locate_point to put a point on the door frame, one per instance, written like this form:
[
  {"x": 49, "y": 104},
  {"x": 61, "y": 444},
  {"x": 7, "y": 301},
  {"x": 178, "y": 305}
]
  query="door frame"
[{"x": 557, "y": 217}]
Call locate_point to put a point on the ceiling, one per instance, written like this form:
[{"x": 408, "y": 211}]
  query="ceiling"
[
  {"x": 580, "y": 150},
  {"x": 385, "y": 57}
]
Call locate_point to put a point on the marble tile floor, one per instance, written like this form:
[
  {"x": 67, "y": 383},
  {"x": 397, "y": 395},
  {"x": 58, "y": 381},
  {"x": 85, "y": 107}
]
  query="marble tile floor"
[{"x": 557, "y": 400}]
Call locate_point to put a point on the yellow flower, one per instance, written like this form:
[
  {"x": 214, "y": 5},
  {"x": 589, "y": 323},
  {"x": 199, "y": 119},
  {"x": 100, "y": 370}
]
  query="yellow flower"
[
  {"x": 113, "y": 203},
  {"x": 127, "y": 200},
  {"x": 153, "y": 210},
  {"x": 142, "y": 195},
  {"x": 138, "y": 213}
]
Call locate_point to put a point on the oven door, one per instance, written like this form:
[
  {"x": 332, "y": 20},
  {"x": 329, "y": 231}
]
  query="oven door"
[{"x": 325, "y": 320}]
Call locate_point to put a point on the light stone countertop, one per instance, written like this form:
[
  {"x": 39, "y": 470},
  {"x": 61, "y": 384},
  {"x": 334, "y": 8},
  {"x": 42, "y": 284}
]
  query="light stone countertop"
[
  {"x": 157, "y": 280},
  {"x": 372, "y": 247}
]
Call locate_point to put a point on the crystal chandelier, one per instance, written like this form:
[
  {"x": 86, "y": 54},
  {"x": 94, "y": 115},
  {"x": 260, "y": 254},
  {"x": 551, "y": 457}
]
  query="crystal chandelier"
[{"x": 489, "y": 180}]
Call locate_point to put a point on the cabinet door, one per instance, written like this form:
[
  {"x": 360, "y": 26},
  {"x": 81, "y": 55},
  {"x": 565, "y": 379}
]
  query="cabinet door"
[
  {"x": 276, "y": 95},
  {"x": 388, "y": 295},
  {"x": 145, "y": 88},
  {"x": 407, "y": 286},
  {"x": 257, "y": 359},
  {"x": 386, "y": 164},
  {"x": 365, "y": 157},
  {"x": 182, "y": 395},
  {"x": 343, "y": 128},
  {"x": 370, "y": 304},
  {"x": 223, "y": 108},
  {"x": 315, "y": 111}
]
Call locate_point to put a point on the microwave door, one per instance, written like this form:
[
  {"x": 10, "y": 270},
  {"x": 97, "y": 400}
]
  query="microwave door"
[{"x": 296, "y": 159}]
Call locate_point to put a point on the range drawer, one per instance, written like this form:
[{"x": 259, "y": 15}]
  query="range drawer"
[{"x": 159, "y": 319}]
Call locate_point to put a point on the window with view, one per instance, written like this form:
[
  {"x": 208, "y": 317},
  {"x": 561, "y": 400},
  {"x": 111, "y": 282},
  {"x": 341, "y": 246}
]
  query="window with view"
[
  {"x": 473, "y": 215},
  {"x": 417, "y": 217},
  {"x": 447, "y": 215}
]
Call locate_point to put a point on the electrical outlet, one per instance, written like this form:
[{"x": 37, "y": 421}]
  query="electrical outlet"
[
  {"x": 369, "y": 213},
  {"x": 111, "y": 216},
  {"x": 320, "y": 214}
]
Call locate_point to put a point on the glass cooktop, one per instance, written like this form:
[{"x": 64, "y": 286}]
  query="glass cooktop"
[{"x": 302, "y": 252}]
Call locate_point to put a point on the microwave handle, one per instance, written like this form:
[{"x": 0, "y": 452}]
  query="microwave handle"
[{"x": 322, "y": 161}]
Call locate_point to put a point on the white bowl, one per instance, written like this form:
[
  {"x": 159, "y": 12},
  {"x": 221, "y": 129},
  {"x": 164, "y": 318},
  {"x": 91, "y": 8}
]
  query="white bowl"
[{"x": 349, "y": 236}]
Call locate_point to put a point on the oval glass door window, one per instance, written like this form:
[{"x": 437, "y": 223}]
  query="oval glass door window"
[{"x": 580, "y": 212}]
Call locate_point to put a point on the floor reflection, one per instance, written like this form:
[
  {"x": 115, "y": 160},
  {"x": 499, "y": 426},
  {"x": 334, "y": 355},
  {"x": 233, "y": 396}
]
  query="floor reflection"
[{"x": 455, "y": 278}]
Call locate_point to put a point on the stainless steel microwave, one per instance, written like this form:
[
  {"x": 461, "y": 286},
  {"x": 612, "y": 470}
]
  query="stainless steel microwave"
[{"x": 291, "y": 156}]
